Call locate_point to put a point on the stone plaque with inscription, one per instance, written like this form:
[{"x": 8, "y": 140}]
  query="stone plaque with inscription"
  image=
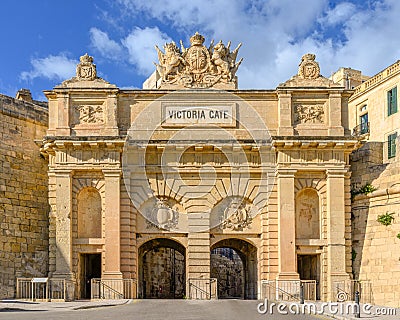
[{"x": 184, "y": 115}]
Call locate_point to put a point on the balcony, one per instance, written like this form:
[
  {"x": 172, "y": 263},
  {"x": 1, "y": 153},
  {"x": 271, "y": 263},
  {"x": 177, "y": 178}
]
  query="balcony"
[{"x": 361, "y": 130}]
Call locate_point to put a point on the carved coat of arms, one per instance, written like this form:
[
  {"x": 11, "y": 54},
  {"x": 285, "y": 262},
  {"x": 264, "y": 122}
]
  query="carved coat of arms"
[
  {"x": 236, "y": 216},
  {"x": 86, "y": 69},
  {"x": 309, "y": 68},
  {"x": 197, "y": 66},
  {"x": 163, "y": 216}
]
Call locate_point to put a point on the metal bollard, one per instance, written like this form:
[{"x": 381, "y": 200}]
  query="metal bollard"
[
  {"x": 301, "y": 293},
  {"x": 357, "y": 301}
]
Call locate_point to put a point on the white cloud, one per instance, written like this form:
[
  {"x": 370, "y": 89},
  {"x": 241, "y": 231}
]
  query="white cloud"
[
  {"x": 52, "y": 67},
  {"x": 265, "y": 28},
  {"x": 276, "y": 33},
  {"x": 140, "y": 44},
  {"x": 107, "y": 47},
  {"x": 341, "y": 13}
]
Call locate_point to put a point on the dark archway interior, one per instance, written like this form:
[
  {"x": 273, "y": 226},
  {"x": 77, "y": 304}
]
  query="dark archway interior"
[
  {"x": 161, "y": 270},
  {"x": 227, "y": 267},
  {"x": 239, "y": 277}
]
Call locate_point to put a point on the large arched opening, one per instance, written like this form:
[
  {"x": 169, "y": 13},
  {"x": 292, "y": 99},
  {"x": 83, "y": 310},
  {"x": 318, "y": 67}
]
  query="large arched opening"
[
  {"x": 234, "y": 265},
  {"x": 162, "y": 269}
]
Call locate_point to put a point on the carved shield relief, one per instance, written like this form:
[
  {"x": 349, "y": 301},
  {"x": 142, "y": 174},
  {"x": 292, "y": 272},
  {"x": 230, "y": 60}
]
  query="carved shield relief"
[{"x": 198, "y": 59}]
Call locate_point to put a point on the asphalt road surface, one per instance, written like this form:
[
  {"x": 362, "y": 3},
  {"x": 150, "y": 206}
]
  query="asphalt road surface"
[{"x": 163, "y": 310}]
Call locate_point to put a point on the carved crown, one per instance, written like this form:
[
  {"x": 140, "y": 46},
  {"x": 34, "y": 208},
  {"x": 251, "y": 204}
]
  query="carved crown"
[
  {"x": 86, "y": 58},
  {"x": 308, "y": 56},
  {"x": 171, "y": 47},
  {"x": 197, "y": 39}
]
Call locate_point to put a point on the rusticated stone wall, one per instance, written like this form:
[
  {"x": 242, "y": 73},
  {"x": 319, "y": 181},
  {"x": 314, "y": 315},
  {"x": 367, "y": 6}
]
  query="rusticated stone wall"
[{"x": 23, "y": 193}]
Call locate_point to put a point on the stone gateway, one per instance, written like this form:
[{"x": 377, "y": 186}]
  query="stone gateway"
[
  {"x": 194, "y": 188},
  {"x": 164, "y": 184}
]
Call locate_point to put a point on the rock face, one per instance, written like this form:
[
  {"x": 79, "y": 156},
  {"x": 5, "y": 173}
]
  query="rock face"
[{"x": 23, "y": 193}]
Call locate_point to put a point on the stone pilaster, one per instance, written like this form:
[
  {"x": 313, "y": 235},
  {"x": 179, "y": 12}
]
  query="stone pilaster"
[
  {"x": 63, "y": 225},
  {"x": 335, "y": 114},
  {"x": 111, "y": 114},
  {"x": 285, "y": 114},
  {"x": 63, "y": 126},
  {"x": 286, "y": 225},
  {"x": 112, "y": 251},
  {"x": 198, "y": 253},
  {"x": 336, "y": 229}
]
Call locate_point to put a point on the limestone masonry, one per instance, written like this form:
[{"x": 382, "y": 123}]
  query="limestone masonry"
[
  {"x": 191, "y": 187},
  {"x": 24, "y": 238}
]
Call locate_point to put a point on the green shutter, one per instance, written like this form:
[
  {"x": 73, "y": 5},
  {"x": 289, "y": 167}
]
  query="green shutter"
[
  {"x": 392, "y": 145},
  {"x": 392, "y": 101}
]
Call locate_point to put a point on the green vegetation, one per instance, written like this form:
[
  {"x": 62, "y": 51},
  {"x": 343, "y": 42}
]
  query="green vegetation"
[
  {"x": 353, "y": 255},
  {"x": 365, "y": 189},
  {"x": 386, "y": 219}
]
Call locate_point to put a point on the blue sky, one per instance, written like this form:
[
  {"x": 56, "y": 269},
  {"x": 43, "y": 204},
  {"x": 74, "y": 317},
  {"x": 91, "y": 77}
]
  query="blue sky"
[{"x": 42, "y": 40}]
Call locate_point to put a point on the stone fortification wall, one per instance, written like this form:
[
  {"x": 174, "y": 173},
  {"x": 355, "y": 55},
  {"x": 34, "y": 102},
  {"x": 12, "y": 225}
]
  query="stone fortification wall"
[
  {"x": 23, "y": 193},
  {"x": 375, "y": 255}
]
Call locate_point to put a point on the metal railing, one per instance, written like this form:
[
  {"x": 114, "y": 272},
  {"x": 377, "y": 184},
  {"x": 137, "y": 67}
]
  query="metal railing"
[
  {"x": 309, "y": 289},
  {"x": 43, "y": 289},
  {"x": 113, "y": 289},
  {"x": 346, "y": 290},
  {"x": 288, "y": 290},
  {"x": 203, "y": 289},
  {"x": 361, "y": 129}
]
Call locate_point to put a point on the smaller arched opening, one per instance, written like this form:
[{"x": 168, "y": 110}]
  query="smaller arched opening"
[
  {"x": 234, "y": 265},
  {"x": 307, "y": 214},
  {"x": 89, "y": 213},
  {"x": 162, "y": 269}
]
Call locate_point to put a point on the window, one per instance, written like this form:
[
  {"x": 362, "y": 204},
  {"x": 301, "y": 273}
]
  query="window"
[
  {"x": 364, "y": 125},
  {"x": 392, "y": 101},
  {"x": 392, "y": 145}
]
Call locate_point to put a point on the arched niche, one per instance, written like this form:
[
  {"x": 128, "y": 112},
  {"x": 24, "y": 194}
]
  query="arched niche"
[
  {"x": 307, "y": 214},
  {"x": 89, "y": 213}
]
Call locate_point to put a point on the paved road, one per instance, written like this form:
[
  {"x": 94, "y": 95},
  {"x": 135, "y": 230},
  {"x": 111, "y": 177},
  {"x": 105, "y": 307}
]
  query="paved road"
[{"x": 160, "y": 310}]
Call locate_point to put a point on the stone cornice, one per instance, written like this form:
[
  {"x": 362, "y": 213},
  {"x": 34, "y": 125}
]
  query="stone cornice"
[{"x": 316, "y": 144}]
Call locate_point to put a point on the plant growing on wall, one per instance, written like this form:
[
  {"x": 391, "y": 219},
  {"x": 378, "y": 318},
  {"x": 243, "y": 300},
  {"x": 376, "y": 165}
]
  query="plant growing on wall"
[
  {"x": 386, "y": 219},
  {"x": 365, "y": 189},
  {"x": 353, "y": 255},
  {"x": 398, "y": 236}
]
